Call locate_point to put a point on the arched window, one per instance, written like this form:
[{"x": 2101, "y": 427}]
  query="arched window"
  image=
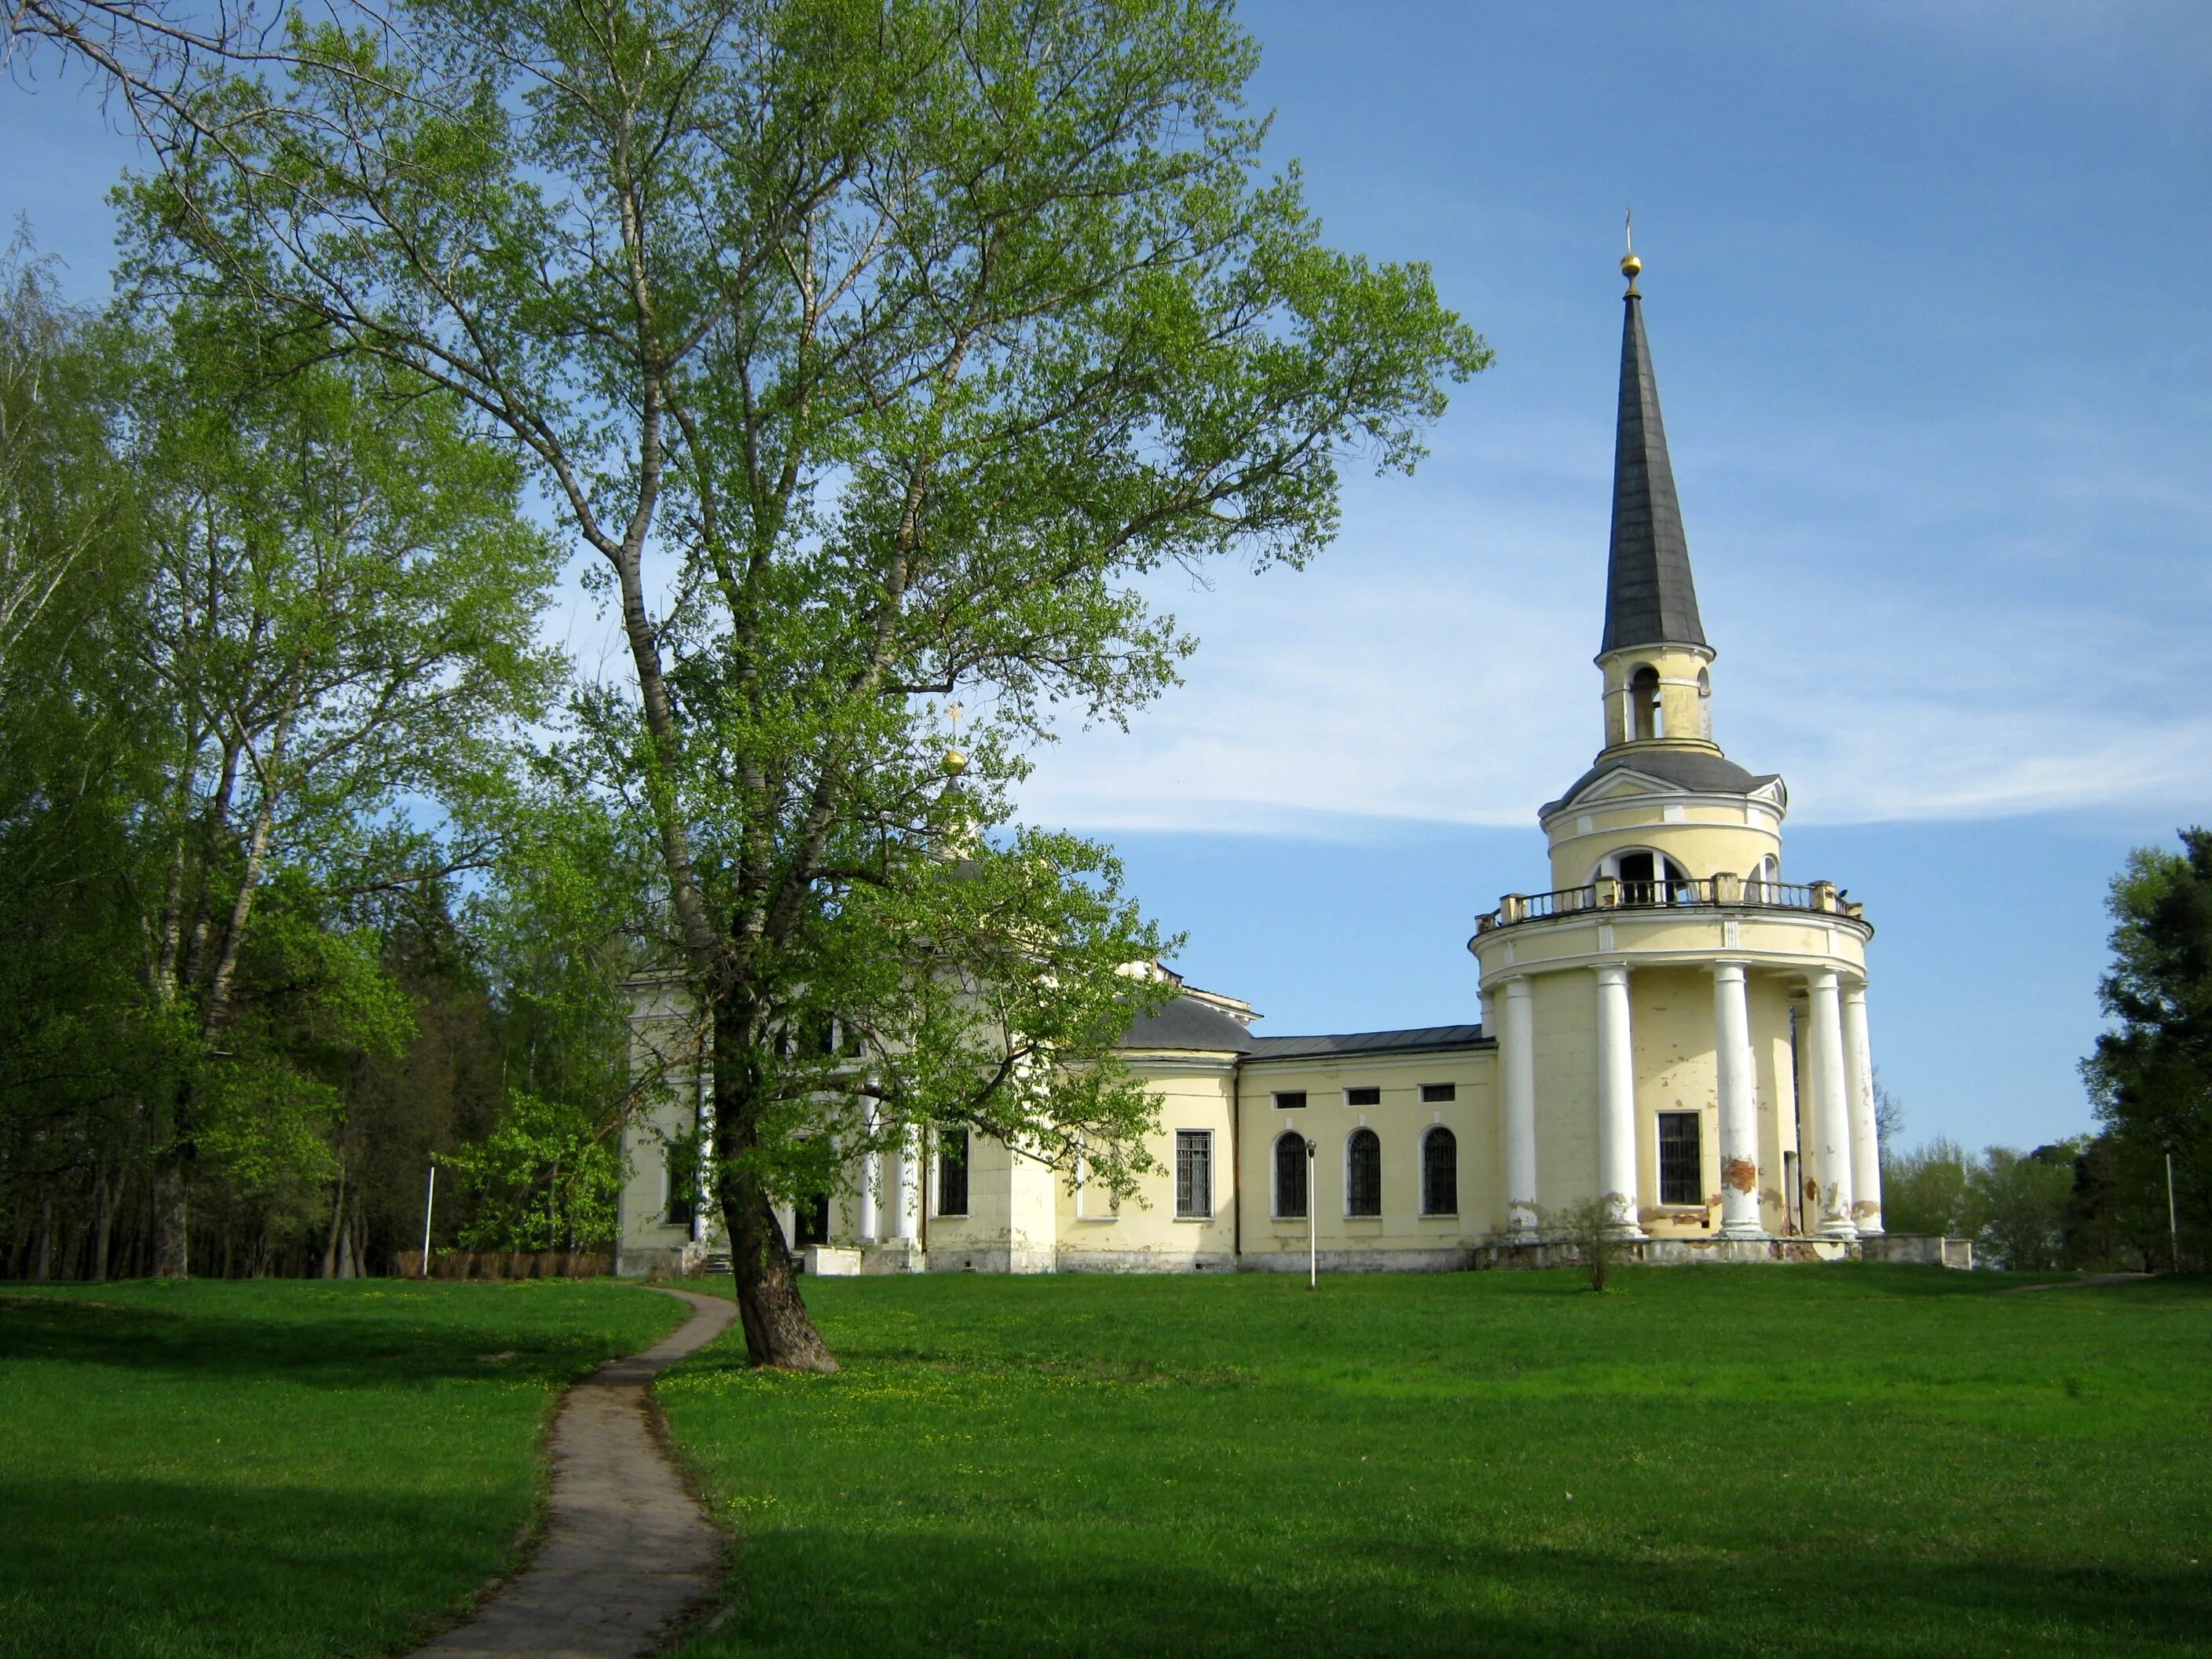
[
  {"x": 1439, "y": 1172},
  {"x": 1291, "y": 1176},
  {"x": 1649, "y": 878},
  {"x": 1648, "y": 718},
  {"x": 1363, "y": 1173},
  {"x": 1705, "y": 705},
  {"x": 1764, "y": 887}
]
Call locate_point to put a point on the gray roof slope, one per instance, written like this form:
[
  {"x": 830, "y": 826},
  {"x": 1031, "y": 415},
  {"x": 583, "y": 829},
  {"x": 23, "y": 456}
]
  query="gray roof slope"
[
  {"x": 1371, "y": 1042},
  {"x": 1187, "y": 1022},
  {"x": 1648, "y": 596},
  {"x": 1685, "y": 769}
]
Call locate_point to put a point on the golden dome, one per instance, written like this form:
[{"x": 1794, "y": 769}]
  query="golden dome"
[{"x": 953, "y": 764}]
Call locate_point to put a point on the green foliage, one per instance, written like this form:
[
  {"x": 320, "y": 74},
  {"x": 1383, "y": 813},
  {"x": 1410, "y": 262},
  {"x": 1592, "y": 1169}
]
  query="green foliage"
[
  {"x": 63, "y": 501},
  {"x": 911, "y": 340},
  {"x": 1931, "y": 1190},
  {"x": 311, "y": 616},
  {"x": 2017, "y": 1207},
  {"x": 279, "y": 1471},
  {"x": 1887, "y": 1462},
  {"x": 547, "y": 1178},
  {"x": 2151, "y": 1076}
]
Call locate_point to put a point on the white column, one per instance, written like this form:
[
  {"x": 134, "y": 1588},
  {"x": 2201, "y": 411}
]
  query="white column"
[
  {"x": 1517, "y": 1121},
  {"x": 1732, "y": 1064},
  {"x": 1866, "y": 1145},
  {"x": 1831, "y": 1109},
  {"x": 707, "y": 1200},
  {"x": 868, "y": 1221},
  {"x": 902, "y": 1188},
  {"x": 1616, "y": 1099}
]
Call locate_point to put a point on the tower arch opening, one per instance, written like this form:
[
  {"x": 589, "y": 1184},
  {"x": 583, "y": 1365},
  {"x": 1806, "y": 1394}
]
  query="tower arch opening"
[
  {"x": 1647, "y": 716},
  {"x": 1648, "y": 876}
]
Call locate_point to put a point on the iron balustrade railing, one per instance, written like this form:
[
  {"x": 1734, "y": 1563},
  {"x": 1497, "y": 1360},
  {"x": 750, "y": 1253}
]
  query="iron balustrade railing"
[{"x": 1729, "y": 892}]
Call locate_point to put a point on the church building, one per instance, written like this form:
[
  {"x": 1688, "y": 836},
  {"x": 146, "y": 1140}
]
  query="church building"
[{"x": 1671, "y": 1029}]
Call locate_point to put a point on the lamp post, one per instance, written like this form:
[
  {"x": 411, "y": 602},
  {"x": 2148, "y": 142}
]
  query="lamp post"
[
  {"x": 1313, "y": 1222},
  {"x": 428, "y": 1199},
  {"x": 2172, "y": 1217}
]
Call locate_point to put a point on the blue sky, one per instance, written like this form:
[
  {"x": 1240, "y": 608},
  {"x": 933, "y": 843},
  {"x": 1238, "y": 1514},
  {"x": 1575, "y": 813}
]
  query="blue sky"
[{"x": 1923, "y": 288}]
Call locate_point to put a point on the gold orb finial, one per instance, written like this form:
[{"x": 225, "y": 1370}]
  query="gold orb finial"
[
  {"x": 1630, "y": 266},
  {"x": 953, "y": 764}
]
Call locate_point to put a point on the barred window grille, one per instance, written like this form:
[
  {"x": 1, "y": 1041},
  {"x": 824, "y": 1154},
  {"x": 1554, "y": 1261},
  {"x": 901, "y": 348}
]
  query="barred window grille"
[
  {"x": 1363, "y": 1173},
  {"x": 1291, "y": 1176},
  {"x": 953, "y": 1172},
  {"x": 1435, "y": 1093},
  {"x": 1440, "y": 1172},
  {"x": 1678, "y": 1181},
  {"x": 1193, "y": 1173},
  {"x": 1370, "y": 1095},
  {"x": 1290, "y": 1100}
]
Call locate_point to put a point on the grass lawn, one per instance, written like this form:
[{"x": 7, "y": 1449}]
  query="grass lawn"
[
  {"x": 272, "y": 1468},
  {"x": 1833, "y": 1460}
]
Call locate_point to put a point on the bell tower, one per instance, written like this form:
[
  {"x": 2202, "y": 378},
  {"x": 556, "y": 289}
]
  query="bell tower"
[
  {"x": 1658, "y": 687},
  {"x": 1655, "y": 668},
  {"x": 1681, "y": 1033}
]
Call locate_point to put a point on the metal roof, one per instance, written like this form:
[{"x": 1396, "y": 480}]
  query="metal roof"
[
  {"x": 1691, "y": 770},
  {"x": 1650, "y": 598},
  {"x": 1188, "y": 1024},
  {"x": 1354, "y": 1043}
]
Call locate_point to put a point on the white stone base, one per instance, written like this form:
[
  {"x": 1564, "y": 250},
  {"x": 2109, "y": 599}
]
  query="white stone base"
[
  {"x": 1145, "y": 1261},
  {"x": 1452, "y": 1260},
  {"x": 827, "y": 1261},
  {"x": 1925, "y": 1251},
  {"x": 991, "y": 1259},
  {"x": 900, "y": 1255}
]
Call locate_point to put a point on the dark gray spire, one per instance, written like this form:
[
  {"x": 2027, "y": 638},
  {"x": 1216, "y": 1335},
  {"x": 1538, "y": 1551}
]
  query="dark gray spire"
[{"x": 1648, "y": 596}]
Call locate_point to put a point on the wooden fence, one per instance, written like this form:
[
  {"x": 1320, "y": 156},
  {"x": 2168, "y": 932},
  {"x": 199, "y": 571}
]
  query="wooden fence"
[{"x": 507, "y": 1264}]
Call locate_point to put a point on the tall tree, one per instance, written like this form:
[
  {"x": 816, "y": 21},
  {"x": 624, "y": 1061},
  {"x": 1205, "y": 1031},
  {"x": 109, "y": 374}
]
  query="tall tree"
[
  {"x": 2151, "y": 1075},
  {"x": 62, "y": 496},
  {"x": 876, "y": 352},
  {"x": 338, "y": 617}
]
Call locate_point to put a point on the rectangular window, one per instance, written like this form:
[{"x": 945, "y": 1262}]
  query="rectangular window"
[
  {"x": 1193, "y": 1173},
  {"x": 1436, "y": 1093},
  {"x": 683, "y": 1200},
  {"x": 1679, "y": 1177},
  {"x": 1370, "y": 1096},
  {"x": 953, "y": 1172},
  {"x": 1289, "y": 1100}
]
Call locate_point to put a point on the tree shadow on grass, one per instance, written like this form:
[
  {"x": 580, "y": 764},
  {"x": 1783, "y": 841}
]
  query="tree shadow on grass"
[
  {"x": 332, "y": 1336},
  {"x": 219, "y": 1568},
  {"x": 876, "y": 1593}
]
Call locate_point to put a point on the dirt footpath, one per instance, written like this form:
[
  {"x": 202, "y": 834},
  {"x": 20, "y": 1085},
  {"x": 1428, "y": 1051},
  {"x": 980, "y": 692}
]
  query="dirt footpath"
[{"x": 628, "y": 1551}]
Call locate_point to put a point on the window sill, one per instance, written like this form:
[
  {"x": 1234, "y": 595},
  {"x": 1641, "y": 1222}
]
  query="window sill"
[{"x": 1197, "y": 1218}]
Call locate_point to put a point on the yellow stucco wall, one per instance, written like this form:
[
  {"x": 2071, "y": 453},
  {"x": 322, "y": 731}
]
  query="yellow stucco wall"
[
  {"x": 1195, "y": 1092},
  {"x": 1400, "y": 1120}
]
